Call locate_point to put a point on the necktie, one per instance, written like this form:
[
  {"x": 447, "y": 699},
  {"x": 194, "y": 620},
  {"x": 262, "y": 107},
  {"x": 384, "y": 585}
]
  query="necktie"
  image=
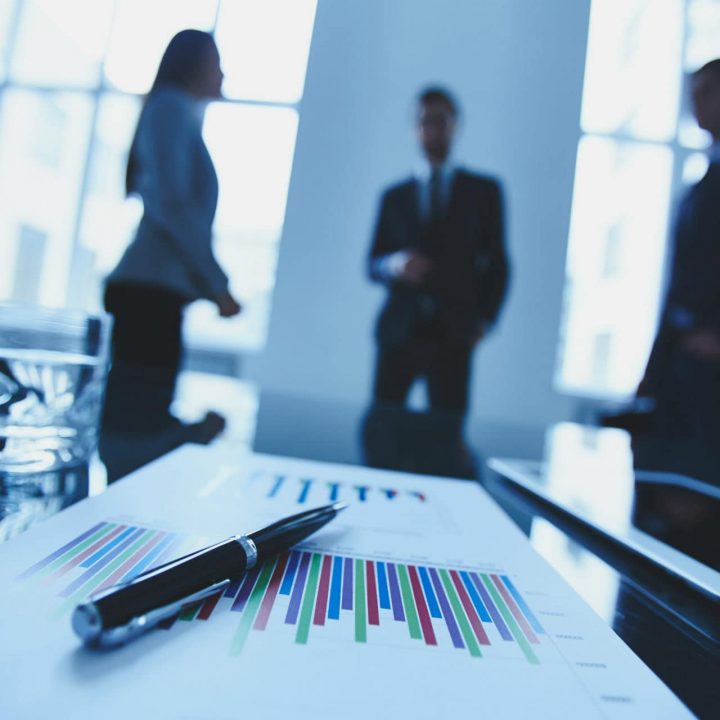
[
  {"x": 436, "y": 199},
  {"x": 436, "y": 211}
]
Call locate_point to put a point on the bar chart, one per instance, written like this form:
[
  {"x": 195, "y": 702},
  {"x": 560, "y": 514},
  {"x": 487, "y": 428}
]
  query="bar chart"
[
  {"x": 308, "y": 490},
  {"x": 304, "y": 593}
]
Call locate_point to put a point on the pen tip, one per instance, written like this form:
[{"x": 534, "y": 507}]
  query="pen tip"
[{"x": 338, "y": 506}]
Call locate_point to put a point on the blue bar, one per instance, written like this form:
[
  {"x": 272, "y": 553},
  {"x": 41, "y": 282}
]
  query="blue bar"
[
  {"x": 536, "y": 626},
  {"x": 107, "y": 548},
  {"x": 347, "y": 591},
  {"x": 390, "y": 494},
  {"x": 278, "y": 483},
  {"x": 382, "y": 585},
  {"x": 171, "y": 551},
  {"x": 362, "y": 492},
  {"x": 305, "y": 490},
  {"x": 335, "y": 588},
  {"x": 80, "y": 580},
  {"x": 290, "y": 571},
  {"x": 476, "y": 601},
  {"x": 429, "y": 593},
  {"x": 135, "y": 571},
  {"x": 334, "y": 491}
]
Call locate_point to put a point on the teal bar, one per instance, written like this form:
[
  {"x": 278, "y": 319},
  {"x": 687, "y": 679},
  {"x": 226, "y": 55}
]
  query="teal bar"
[
  {"x": 306, "y": 612},
  {"x": 70, "y": 554},
  {"x": 510, "y": 621},
  {"x": 85, "y": 590},
  {"x": 190, "y": 611},
  {"x": 360, "y": 600},
  {"x": 460, "y": 615},
  {"x": 248, "y": 614},
  {"x": 409, "y": 603}
]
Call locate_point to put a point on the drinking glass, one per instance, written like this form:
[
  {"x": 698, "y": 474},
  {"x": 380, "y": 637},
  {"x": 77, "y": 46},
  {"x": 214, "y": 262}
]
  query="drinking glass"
[{"x": 53, "y": 368}]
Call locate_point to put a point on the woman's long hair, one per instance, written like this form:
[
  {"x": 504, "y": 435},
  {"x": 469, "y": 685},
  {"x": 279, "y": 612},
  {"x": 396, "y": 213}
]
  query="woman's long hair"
[{"x": 178, "y": 68}]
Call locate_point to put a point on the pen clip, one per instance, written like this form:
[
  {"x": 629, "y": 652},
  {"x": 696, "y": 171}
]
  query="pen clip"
[{"x": 138, "y": 625}]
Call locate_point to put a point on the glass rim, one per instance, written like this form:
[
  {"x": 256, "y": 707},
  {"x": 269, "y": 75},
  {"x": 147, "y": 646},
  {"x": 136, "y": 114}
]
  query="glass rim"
[{"x": 47, "y": 312}]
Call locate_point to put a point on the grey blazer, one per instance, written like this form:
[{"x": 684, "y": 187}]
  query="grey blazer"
[{"x": 172, "y": 247}]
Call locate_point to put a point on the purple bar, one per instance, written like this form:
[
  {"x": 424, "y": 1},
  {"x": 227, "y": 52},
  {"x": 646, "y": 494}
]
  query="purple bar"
[
  {"x": 169, "y": 553},
  {"x": 446, "y": 609},
  {"x": 395, "y": 597},
  {"x": 298, "y": 590},
  {"x": 81, "y": 579},
  {"x": 46, "y": 561},
  {"x": 490, "y": 605},
  {"x": 347, "y": 590},
  {"x": 245, "y": 589},
  {"x": 234, "y": 586}
]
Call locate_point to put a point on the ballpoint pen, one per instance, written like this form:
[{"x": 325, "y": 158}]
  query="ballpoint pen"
[{"x": 122, "y": 612}]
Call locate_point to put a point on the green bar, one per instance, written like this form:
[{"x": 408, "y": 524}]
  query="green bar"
[
  {"x": 360, "y": 600},
  {"x": 510, "y": 621},
  {"x": 306, "y": 611},
  {"x": 70, "y": 554},
  {"x": 409, "y": 603},
  {"x": 190, "y": 611},
  {"x": 253, "y": 603},
  {"x": 460, "y": 616},
  {"x": 84, "y": 591}
]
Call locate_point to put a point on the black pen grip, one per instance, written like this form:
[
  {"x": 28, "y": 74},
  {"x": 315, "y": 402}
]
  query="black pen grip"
[{"x": 170, "y": 583}]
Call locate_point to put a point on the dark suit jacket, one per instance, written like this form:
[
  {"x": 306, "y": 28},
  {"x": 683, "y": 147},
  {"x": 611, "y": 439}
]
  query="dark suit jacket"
[
  {"x": 471, "y": 270},
  {"x": 693, "y": 298}
]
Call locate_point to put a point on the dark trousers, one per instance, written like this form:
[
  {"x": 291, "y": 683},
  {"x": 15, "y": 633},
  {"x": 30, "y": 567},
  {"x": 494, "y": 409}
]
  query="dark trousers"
[
  {"x": 146, "y": 355},
  {"x": 443, "y": 363}
]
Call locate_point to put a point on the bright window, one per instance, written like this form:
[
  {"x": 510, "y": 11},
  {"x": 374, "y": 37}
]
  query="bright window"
[
  {"x": 637, "y": 153},
  {"x": 72, "y": 77}
]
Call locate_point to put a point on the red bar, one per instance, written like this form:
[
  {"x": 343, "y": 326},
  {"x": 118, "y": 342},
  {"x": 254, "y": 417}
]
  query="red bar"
[
  {"x": 372, "y": 598},
  {"x": 423, "y": 614},
  {"x": 515, "y": 610},
  {"x": 323, "y": 590},
  {"x": 85, "y": 554},
  {"x": 130, "y": 563},
  {"x": 271, "y": 592},
  {"x": 470, "y": 611},
  {"x": 209, "y": 606}
]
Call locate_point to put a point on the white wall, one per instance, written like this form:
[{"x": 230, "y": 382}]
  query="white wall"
[{"x": 517, "y": 67}]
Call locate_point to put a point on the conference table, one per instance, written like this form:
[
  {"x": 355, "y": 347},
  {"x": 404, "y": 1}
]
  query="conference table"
[{"x": 639, "y": 545}]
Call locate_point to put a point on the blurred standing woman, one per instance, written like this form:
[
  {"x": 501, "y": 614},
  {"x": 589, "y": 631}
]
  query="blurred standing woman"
[{"x": 170, "y": 261}]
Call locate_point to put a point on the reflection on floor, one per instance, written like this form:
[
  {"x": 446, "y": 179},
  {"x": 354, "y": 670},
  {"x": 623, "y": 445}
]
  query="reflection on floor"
[
  {"x": 123, "y": 451},
  {"x": 236, "y": 400}
]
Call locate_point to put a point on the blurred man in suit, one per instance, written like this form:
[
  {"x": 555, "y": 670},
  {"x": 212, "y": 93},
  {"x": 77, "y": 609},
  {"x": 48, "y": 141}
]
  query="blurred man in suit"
[
  {"x": 439, "y": 249},
  {"x": 683, "y": 373}
]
